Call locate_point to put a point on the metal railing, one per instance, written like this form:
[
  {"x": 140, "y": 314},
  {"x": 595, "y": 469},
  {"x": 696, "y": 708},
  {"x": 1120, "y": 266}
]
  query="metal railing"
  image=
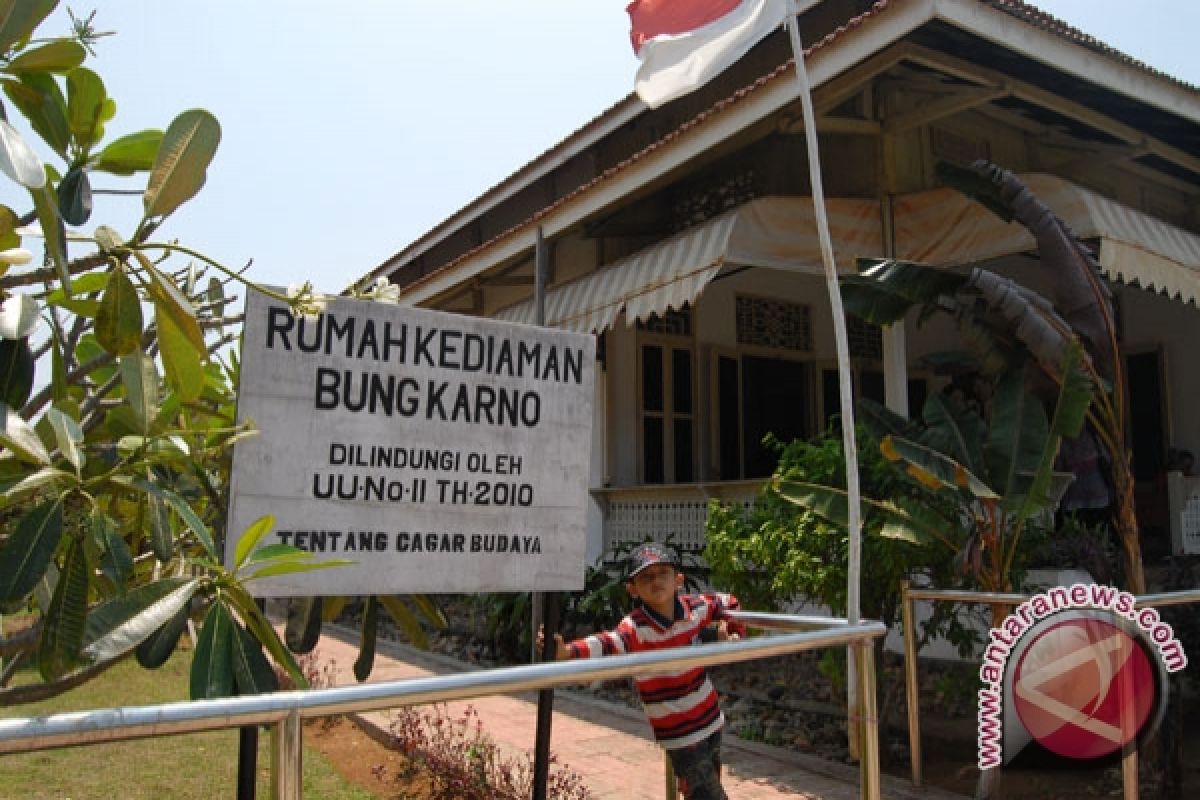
[
  {"x": 284, "y": 711},
  {"x": 908, "y": 596}
]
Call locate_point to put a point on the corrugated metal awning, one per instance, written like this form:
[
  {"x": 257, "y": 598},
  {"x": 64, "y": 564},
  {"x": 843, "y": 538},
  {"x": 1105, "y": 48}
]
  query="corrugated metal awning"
[
  {"x": 774, "y": 232},
  {"x": 941, "y": 226}
]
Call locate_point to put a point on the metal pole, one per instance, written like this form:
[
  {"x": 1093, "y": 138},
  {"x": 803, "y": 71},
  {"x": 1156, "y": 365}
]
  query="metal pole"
[
  {"x": 1129, "y": 753},
  {"x": 19, "y": 735},
  {"x": 247, "y": 764},
  {"x": 544, "y": 604},
  {"x": 842, "y": 350},
  {"x": 911, "y": 694},
  {"x": 869, "y": 782},
  {"x": 287, "y": 758},
  {"x": 671, "y": 783}
]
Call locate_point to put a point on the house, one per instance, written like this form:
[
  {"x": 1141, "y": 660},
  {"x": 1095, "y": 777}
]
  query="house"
[{"x": 683, "y": 237}]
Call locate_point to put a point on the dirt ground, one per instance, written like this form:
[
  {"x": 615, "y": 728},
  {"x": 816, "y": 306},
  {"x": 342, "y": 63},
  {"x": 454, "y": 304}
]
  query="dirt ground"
[{"x": 367, "y": 763}]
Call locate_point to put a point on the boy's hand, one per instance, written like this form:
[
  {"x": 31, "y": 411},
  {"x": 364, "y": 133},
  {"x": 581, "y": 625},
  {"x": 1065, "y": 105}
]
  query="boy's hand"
[
  {"x": 724, "y": 634},
  {"x": 561, "y": 652}
]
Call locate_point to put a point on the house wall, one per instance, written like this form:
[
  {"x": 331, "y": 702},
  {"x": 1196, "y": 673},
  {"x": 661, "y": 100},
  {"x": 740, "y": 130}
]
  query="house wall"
[{"x": 1150, "y": 321}]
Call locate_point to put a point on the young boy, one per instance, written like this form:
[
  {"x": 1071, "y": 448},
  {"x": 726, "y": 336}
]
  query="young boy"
[{"x": 682, "y": 706}]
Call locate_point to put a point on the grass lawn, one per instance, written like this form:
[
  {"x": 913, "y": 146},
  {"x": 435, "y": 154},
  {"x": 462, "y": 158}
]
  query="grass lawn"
[{"x": 191, "y": 767}]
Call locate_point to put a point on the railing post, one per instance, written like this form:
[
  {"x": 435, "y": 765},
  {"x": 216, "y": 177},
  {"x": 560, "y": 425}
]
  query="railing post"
[
  {"x": 287, "y": 762},
  {"x": 869, "y": 780},
  {"x": 911, "y": 696}
]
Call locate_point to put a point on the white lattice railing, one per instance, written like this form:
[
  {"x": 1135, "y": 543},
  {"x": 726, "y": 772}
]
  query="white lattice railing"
[
  {"x": 678, "y": 511},
  {"x": 1183, "y": 498}
]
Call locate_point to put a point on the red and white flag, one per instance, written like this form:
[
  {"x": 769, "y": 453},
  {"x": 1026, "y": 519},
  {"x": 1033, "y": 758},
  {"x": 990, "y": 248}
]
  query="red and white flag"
[{"x": 683, "y": 44}]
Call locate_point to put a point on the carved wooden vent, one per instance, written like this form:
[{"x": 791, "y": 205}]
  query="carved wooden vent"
[
  {"x": 865, "y": 338},
  {"x": 713, "y": 200},
  {"x": 774, "y": 323}
]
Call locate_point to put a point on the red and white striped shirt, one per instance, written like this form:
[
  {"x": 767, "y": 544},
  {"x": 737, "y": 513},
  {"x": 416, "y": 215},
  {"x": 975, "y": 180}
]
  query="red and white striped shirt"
[{"x": 682, "y": 706}]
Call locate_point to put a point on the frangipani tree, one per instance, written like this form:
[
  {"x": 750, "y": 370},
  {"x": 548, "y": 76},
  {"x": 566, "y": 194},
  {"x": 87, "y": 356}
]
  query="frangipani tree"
[{"x": 117, "y": 407}]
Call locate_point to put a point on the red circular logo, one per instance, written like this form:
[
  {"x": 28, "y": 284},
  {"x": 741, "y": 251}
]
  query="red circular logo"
[{"x": 1084, "y": 687}]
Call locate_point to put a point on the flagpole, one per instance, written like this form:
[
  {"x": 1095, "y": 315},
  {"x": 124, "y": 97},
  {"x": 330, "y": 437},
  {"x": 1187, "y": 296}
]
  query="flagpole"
[
  {"x": 841, "y": 345},
  {"x": 841, "y": 341}
]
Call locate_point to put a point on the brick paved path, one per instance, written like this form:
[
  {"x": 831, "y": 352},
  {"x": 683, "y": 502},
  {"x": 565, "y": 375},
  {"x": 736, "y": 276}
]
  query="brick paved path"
[{"x": 609, "y": 745}]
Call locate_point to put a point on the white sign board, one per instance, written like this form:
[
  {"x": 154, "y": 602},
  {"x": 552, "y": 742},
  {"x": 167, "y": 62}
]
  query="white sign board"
[{"x": 439, "y": 453}]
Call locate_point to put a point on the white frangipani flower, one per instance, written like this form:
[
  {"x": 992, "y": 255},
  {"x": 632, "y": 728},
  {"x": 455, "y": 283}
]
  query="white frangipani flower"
[
  {"x": 306, "y": 301},
  {"x": 15, "y": 256}
]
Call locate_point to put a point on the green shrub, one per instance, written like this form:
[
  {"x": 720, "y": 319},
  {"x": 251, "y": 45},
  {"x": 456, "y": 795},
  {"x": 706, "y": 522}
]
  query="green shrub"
[{"x": 776, "y": 553}]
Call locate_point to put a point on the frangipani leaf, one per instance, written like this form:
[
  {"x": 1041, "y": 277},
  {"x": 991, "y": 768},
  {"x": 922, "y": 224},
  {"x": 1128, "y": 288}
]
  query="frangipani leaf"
[
  {"x": 405, "y": 620},
  {"x": 17, "y": 435},
  {"x": 18, "y": 160},
  {"x": 182, "y": 362},
  {"x": 252, "y": 673},
  {"x": 88, "y": 107},
  {"x": 303, "y": 627},
  {"x": 18, "y": 18},
  {"x": 278, "y": 552},
  {"x": 292, "y": 567},
  {"x": 75, "y": 197},
  {"x": 264, "y": 632},
  {"x": 60, "y": 55},
  {"x": 171, "y": 499},
  {"x": 154, "y": 651},
  {"x": 212, "y": 663},
  {"x": 180, "y": 169},
  {"x": 116, "y": 562},
  {"x": 42, "y": 480},
  {"x": 162, "y": 535},
  {"x": 68, "y": 435},
  {"x": 140, "y": 377},
  {"x": 370, "y": 630},
  {"x": 41, "y": 100},
  {"x": 132, "y": 153},
  {"x": 26, "y": 554},
  {"x": 52, "y": 228},
  {"x": 250, "y": 539},
  {"x": 16, "y": 372},
  {"x": 63, "y": 623},
  {"x": 118, "y": 626}
]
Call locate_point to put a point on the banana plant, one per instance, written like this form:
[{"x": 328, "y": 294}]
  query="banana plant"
[
  {"x": 998, "y": 471},
  {"x": 1004, "y": 322}
]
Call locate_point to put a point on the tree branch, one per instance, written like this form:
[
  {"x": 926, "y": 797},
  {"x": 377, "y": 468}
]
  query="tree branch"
[
  {"x": 44, "y": 274},
  {"x": 23, "y": 642},
  {"x": 37, "y": 692}
]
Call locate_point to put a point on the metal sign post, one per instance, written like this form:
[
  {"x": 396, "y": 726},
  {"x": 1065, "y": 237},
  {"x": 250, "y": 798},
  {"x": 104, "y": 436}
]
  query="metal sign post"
[{"x": 545, "y": 606}]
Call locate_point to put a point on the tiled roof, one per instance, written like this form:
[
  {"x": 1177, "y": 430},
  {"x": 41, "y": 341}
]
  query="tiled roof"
[
  {"x": 1017, "y": 8},
  {"x": 1052, "y": 24}
]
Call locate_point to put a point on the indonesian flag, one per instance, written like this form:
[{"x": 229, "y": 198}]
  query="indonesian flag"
[{"x": 683, "y": 44}]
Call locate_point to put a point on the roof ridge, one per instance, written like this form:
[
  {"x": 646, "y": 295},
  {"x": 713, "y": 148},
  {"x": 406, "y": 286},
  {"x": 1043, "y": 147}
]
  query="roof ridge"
[
  {"x": 1019, "y": 9},
  {"x": 1035, "y": 16}
]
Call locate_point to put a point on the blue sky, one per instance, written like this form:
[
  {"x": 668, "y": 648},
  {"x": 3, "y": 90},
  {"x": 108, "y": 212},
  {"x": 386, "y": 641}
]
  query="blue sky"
[{"x": 350, "y": 129}]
